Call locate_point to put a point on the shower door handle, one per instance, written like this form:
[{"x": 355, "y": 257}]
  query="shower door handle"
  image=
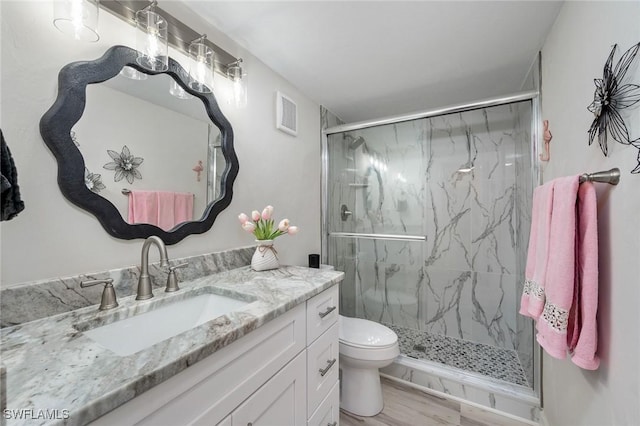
[{"x": 345, "y": 212}]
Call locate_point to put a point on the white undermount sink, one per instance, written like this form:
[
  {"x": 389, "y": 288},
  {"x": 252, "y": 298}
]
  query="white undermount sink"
[{"x": 130, "y": 335}]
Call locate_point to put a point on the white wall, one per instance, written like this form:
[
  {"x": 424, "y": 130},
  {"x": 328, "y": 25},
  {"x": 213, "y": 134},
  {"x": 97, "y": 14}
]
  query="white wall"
[
  {"x": 573, "y": 55},
  {"x": 54, "y": 238}
]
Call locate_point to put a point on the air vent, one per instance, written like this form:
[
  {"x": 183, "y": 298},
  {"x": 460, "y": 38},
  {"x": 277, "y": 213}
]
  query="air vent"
[{"x": 286, "y": 114}]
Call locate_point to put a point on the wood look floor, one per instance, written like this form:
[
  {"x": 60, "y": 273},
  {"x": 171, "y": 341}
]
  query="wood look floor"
[{"x": 407, "y": 406}]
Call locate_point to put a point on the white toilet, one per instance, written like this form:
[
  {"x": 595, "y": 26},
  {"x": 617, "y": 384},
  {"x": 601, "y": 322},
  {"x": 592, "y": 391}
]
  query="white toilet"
[{"x": 365, "y": 346}]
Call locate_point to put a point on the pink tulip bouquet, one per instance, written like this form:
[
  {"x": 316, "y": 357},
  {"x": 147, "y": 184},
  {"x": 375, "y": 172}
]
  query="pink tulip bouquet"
[{"x": 263, "y": 226}]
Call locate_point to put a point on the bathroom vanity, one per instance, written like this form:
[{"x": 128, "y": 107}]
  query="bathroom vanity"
[{"x": 273, "y": 360}]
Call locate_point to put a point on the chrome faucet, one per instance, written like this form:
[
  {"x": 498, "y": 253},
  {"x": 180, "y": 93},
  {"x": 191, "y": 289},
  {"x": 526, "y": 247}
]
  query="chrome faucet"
[
  {"x": 108, "y": 300},
  {"x": 144, "y": 283}
]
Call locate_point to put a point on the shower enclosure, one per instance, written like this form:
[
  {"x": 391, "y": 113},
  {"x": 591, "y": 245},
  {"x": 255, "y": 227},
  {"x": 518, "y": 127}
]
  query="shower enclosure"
[{"x": 428, "y": 215}]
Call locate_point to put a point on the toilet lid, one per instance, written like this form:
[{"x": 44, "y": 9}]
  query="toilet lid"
[{"x": 364, "y": 333}]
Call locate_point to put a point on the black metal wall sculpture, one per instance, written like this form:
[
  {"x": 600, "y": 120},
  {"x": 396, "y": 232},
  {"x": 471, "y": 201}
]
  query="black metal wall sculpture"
[
  {"x": 611, "y": 96},
  {"x": 57, "y": 122},
  {"x": 124, "y": 164}
]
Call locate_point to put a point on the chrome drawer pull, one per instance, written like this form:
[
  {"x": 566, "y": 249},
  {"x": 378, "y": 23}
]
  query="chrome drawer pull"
[
  {"x": 325, "y": 370},
  {"x": 327, "y": 312},
  {"x": 332, "y": 424}
]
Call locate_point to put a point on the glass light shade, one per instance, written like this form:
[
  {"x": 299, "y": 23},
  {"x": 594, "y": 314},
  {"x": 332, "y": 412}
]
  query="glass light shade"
[
  {"x": 151, "y": 40},
  {"x": 133, "y": 73},
  {"x": 176, "y": 90},
  {"x": 239, "y": 81},
  {"x": 77, "y": 18},
  {"x": 201, "y": 67}
]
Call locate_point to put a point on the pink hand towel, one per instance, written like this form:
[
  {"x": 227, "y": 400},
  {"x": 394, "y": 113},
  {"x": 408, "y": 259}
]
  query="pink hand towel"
[
  {"x": 558, "y": 289},
  {"x": 532, "y": 300},
  {"x": 583, "y": 338},
  {"x": 143, "y": 207}
]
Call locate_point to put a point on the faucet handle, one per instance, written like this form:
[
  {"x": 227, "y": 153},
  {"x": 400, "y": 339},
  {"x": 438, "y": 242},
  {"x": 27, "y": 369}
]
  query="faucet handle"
[
  {"x": 108, "y": 294},
  {"x": 172, "y": 280}
]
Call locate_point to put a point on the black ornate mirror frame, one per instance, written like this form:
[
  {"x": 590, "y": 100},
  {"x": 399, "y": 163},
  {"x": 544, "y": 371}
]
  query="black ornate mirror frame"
[{"x": 57, "y": 122}]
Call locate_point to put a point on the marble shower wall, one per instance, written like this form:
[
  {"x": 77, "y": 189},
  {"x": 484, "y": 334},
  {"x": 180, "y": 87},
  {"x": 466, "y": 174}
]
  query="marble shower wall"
[
  {"x": 458, "y": 180},
  {"x": 472, "y": 226}
]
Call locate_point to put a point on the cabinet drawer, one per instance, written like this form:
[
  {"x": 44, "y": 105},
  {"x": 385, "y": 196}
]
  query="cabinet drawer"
[
  {"x": 328, "y": 413},
  {"x": 322, "y": 312},
  {"x": 322, "y": 367}
]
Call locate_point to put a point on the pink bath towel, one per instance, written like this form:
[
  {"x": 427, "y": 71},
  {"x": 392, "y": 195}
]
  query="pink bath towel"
[
  {"x": 166, "y": 215},
  {"x": 183, "y": 207},
  {"x": 532, "y": 301},
  {"x": 583, "y": 330},
  {"x": 561, "y": 276},
  {"x": 143, "y": 207},
  {"x": 163, "y": 209},
  {"x": 558, "y": 289}
]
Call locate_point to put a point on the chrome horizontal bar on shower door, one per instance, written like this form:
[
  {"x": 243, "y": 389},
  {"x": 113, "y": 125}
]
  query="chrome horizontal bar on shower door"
[{"x": 379, "y": 236}]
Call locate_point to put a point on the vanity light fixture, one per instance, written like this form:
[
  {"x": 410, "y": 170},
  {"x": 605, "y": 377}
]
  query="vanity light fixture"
[
  {"x": 151, "y": 39},
  {"x": 178, "y": 34},
  {"x": 238, "y": 77},
  {"x": 77, "y": 18},
  {"x": 201, "y": 66},
  {"x": 133, "y": 73}
]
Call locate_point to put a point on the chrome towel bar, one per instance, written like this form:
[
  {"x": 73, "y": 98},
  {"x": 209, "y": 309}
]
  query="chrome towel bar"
[{"x": 611, "y": 177}]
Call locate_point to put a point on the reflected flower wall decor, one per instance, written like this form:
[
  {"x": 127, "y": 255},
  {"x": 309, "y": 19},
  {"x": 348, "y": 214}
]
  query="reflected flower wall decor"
[
  {"x": 125, "y": 165},
  {"x": 611, "y": 96},
  {"x": 93, "y": 181}
]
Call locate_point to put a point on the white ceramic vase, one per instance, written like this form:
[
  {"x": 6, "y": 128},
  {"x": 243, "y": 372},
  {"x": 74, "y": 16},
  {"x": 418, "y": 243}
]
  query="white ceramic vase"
[{"x": 265, "y": 257}]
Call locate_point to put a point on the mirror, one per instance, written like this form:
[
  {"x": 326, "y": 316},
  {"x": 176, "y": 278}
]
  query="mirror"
[
  {"x": 165, "y": 131},
  {"x": 101, "y": 119}
]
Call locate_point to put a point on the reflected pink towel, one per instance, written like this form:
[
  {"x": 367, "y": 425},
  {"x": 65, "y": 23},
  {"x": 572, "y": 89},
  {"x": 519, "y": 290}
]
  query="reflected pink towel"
[
  {"x": 532, "y": 301},
  {"x": 583, "y": 327},
  {"x": 558, "y": 289},
  {"x": 183, "y": 207},
  {"x": 166, "y": 210},
  {"x": 160, "y": 208},
  {"x": 143, "y": 207}
]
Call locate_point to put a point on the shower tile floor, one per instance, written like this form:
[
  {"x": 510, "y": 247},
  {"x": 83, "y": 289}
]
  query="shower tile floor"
[{"x": 491, "y": 361}]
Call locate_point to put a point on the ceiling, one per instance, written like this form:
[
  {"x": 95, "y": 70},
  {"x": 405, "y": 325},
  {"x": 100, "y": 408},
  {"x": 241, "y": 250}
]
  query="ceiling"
[{"x": 365, "y": 60}]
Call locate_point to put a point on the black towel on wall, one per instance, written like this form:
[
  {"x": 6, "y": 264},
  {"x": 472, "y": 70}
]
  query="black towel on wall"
[{"x": 11, "y": 203}]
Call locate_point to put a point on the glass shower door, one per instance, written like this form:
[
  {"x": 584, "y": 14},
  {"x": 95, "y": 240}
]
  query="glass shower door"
[
  {"x": 428, "y": 218},
  {"x": 376, "y": 223}
]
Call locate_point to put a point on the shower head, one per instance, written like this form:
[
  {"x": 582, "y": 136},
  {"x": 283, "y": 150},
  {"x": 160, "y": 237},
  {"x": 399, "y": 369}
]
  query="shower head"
[{"x": 355, "y": 143}]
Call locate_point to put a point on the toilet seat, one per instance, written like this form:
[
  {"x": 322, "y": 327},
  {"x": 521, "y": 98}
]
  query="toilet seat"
[{"x": 365, "y": 334}]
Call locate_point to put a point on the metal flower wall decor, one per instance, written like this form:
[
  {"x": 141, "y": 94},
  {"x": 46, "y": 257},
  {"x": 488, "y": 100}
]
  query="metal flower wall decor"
[
  {"x": 125, "y": 165},
  {"x": 610, "y": 97},
  {"x": 93, "y": 181}
]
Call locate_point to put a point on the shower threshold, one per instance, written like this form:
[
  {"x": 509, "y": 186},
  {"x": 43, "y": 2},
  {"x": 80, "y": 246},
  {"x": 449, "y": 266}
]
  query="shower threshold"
[{"x": 497, "y": 363}]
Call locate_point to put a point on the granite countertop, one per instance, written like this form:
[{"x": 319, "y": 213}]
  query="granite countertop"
[{"x": 51, "y": 365}]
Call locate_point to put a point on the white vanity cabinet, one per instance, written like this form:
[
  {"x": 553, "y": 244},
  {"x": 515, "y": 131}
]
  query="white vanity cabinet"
[{"x": 283, "y": 373}]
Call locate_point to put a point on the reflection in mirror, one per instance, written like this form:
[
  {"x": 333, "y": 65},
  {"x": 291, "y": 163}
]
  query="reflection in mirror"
[
  {"x": 110, "y": 139},
  {"x": 373, "y": 194},
  {"x": 175, "y": 138}
]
